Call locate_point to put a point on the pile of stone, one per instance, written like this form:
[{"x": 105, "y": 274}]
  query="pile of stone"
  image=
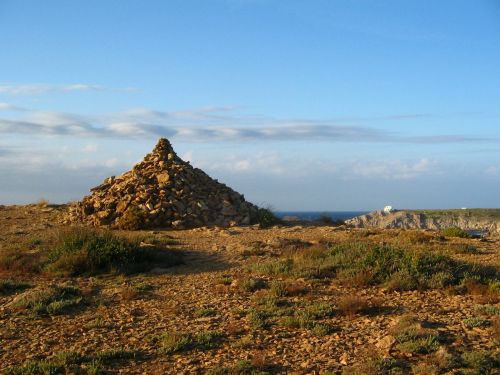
[{"x": 163, "y": 191}]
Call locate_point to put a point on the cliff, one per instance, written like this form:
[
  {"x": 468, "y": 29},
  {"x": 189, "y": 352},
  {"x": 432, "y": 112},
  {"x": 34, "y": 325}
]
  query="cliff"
[{"x": 477, "y": 220}]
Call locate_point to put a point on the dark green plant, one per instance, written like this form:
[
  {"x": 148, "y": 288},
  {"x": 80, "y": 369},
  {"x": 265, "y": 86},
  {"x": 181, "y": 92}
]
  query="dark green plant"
[
  {"x": 82, "y": 250},
  {"x": 482, "y": 362},
  {"x": 266, "y": 218},
  {"x": 11, "y": 286},
  {"x": 54, "y": 300},
  {"x": 455, "y": 232}
]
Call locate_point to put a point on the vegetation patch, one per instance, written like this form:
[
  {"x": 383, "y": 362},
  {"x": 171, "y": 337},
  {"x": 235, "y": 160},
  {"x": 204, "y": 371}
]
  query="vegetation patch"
[
  {"x": 455, "y": 232},
  {"x": 86, "y": 251},
  {"x": 362, "y": 263},
  {"x": 172, "y": 342},
  {"x": 252, "y": 284},
  {"x": 412, "y": 338},
  {"x": 481, "y": 362},
  {"x": 487, "y": 309},
  {"x": 54, "y": 300},
  {"x": 11, "y": 286},
  {"x": 476, "y": 322},
  {"x": 68, "y": 362},
  {"x": 258, "y": 319},
  {"x": 243, "y": 367},
  {"x": 266, "y": 218}
]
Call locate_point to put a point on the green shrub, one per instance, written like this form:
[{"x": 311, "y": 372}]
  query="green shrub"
[
  {"x": 455, "y": 232},
  {"x": 487, "y": 309},
  {"x": 266, "y": 218},
  {"x": 420, "y": 345},
  {"x": 251, "y": 284},
  {"x": 54, "y": 300},
  {"x": 11, "y": 286},
  {"x": 203, "y": 313},
  {"x": 35, "y": 368},
  {"x": 178, "y": 342},
  {"x": 475, "y": 321},
  {"x": 113, "y": 355},
  {"x": 412, "y": 338},
  {"x": 482, "y": 362},
  {"x": 300, "y": 319},
  {"x": 174, "y": 342},
  {"x": 363, "y": 263},
  {"x": 258, "y": 319},
  {"x": 69, "y": 358},
  {"x": 404, "y": 269},
  {"x": 320, "y": 310},
  {"x": 82, "y": 250},
  {"x": 278, "y": 289},
  {"x": 242, "y": 367},
  {"x": 208, "y": 340},
  {"x": 322, "y": 329}
]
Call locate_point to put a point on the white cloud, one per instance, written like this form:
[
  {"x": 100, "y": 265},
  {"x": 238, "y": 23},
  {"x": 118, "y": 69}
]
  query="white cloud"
[
  {"x": 493, "y": 170},
  {"x": 272, "y": 163},
  {"x": 11, "y": 107},
  {"x": 90, "y": 148},
  {"x": 393, "y": 169},
  {"x": 208, "y": 125}
]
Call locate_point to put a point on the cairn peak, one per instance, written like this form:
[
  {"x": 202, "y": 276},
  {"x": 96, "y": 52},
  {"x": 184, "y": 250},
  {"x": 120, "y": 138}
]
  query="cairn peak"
[
  {"x": 162, "y": 191},
  {"x": 163, "y": 147}
]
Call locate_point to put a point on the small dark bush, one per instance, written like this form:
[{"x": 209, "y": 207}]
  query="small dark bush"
[
  {"x": 11, "y": 286},
  {"x": 266, "y": 218}
]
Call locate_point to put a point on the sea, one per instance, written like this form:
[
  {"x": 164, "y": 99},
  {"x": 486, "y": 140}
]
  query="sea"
[{"x": 314, "y": 215}]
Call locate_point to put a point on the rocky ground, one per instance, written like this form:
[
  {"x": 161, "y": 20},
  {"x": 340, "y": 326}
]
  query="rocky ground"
[{"x": 132, "y": 324}]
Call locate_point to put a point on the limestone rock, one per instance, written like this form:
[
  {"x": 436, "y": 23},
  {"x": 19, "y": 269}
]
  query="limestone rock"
[{"x": 162, "y": 191}]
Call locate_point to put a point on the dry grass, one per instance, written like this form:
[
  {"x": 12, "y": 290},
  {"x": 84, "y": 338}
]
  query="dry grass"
[
  {"x": 352, "y": 305},
  {"x": 42, "y": 203}
]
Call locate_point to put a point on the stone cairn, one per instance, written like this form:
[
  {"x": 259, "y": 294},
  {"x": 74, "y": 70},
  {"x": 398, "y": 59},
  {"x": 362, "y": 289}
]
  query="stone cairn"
[{"x": 162, "y": 191}]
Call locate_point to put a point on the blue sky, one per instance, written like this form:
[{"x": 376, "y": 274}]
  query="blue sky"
[{"x": 303, "y": 105}]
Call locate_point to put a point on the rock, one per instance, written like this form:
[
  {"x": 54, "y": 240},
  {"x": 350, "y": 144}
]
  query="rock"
[
  {"x": 468, "y": 221},
  {"x": 162, "y": 191}
]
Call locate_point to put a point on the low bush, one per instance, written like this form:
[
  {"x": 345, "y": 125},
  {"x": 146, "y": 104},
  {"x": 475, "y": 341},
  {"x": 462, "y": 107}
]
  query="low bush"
[
  {"x": 476, "y": 322},
  {"x": 412, "y": 338},
  {"x": 243, "y": 367},
  {"x": 82, "y": 250},
  {"x": 72, "y": 362},
  {"x": 487, "y": 309},
  {"x": 251, "y": 284},
  {"x": 364, "y": 263},
  {"x": 322, "y": 329},
  {"x": 179, "y": 342},
  {"x": 54, "y": 300},
  {"x": 352, "y": 305},
  {"x": 455, "y": 232},
  {"x": 266, "y": 218},
  {"x": 258, "y": 319},
  {"x": 482, "y": 362},
  {"x": 11, "y": 286},
  {"x": 17, "y": 261}
]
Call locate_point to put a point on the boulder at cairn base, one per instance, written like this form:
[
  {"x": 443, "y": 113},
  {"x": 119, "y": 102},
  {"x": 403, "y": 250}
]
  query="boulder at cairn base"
[{"x": 162, "y": 191}]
